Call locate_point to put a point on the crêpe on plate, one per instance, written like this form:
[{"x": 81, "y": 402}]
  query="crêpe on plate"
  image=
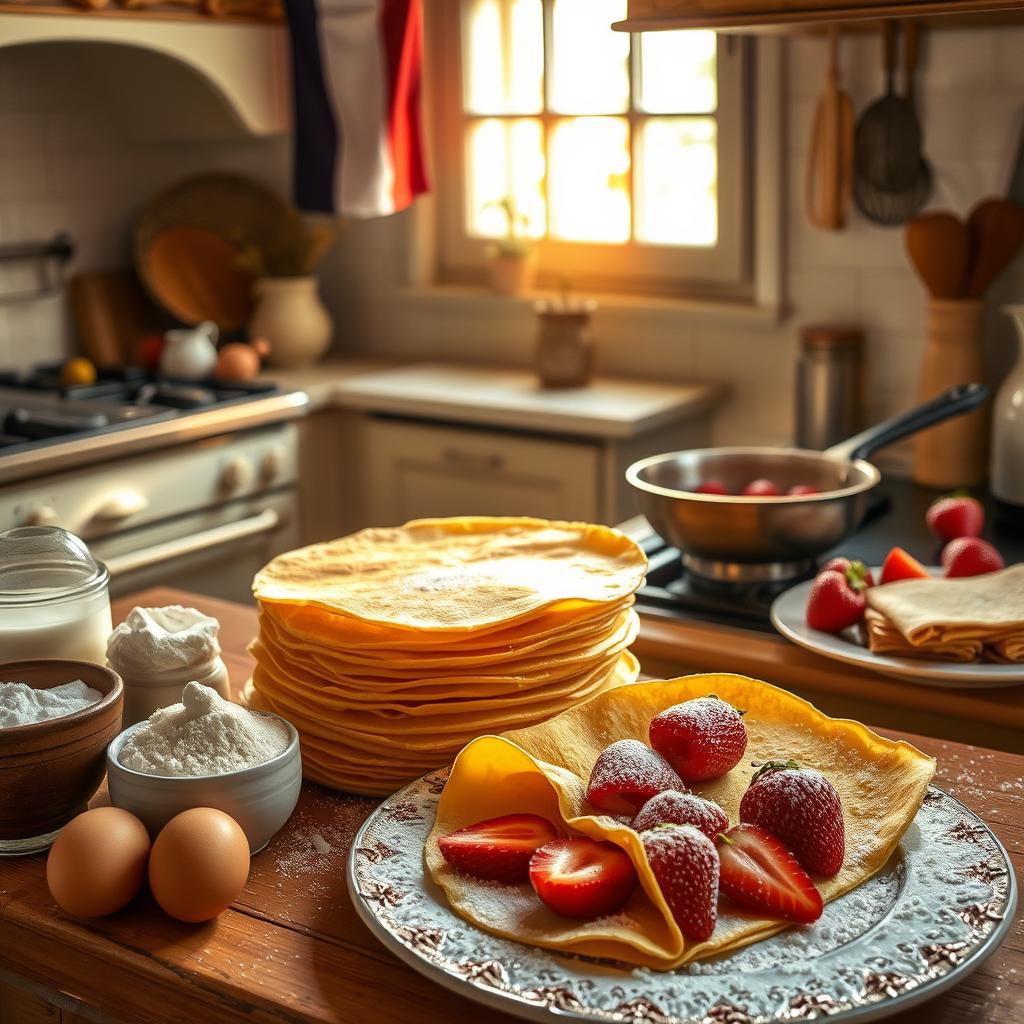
[
  {"x": 544, "y": 770},
  {"x": 960, "y": 619}
]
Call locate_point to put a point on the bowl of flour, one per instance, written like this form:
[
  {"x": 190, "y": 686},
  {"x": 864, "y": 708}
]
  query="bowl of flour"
[
  {"x": 56, "y": 718},
  {"x": 208, "y": 752}
]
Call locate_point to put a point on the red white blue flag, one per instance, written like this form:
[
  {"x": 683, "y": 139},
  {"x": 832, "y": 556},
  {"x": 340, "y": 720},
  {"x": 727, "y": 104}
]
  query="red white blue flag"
[{"x": 356, "y": 70}]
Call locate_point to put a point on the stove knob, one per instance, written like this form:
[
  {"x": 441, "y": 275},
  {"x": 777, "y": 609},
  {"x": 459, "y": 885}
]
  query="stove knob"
[
  {"x": 272, "y": 465},
  {"x": 40, "y": 515},
  {"x": 237, "y": 474}
]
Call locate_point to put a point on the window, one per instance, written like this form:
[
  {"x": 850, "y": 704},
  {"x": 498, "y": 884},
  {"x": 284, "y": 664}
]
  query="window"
[{"x": 620, "y": 155}]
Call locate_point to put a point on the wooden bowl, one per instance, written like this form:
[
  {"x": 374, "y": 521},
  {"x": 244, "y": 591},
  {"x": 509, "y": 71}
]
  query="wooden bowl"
[{"x": 50, "y": 770}]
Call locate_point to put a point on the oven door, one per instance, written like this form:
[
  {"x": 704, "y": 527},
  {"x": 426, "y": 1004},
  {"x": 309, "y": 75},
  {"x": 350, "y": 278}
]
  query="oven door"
[{"x": 215, "y": 552}]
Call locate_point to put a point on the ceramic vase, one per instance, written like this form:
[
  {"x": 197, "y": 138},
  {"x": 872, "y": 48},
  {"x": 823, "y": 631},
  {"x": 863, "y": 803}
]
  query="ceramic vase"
[
  {"x": 513, "y": 273},
  {"x": 564, "y": 355},
  {"x": 1008, "y": 425},
  {"x": 291, "y": 316}
]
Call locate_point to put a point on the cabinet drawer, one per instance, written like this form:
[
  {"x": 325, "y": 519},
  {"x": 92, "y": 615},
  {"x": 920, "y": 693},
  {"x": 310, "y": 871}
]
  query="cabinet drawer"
[{"x": 420, "y": 470}]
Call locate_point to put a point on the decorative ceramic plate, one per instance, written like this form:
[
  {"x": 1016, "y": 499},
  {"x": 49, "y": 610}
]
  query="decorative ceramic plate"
[
  {"x": 940, "y": 906},
  {"x": 789, "y": 616}
]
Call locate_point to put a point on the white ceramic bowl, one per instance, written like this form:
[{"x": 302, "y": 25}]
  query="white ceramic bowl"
[{"x": 261, "y": 799}]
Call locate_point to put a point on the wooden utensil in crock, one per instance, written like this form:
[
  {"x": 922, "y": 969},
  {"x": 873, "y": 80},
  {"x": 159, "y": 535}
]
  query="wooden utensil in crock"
[
  {"x": 940, "y": 249},
  {"x": 49, "y": 770}
]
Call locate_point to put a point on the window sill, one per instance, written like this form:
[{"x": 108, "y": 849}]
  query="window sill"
[{"x": 716, "y": 312}]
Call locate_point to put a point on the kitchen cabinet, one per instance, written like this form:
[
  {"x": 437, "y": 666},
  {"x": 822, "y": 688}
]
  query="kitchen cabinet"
[{"x": 781, "y": 15}]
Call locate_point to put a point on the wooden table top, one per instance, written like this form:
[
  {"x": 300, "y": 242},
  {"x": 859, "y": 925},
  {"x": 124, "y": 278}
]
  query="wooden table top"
[{"x": 292, "y": 951}]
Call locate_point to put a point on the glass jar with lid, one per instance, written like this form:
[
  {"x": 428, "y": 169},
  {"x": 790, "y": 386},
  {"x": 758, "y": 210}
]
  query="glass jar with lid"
[{"x": 54, "y": 601}]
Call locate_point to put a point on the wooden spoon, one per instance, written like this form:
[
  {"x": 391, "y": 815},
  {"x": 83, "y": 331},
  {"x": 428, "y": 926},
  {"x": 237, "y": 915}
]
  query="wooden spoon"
[
  {"x": 996, "y": 229},
  {"x": 940, "y": 249}
]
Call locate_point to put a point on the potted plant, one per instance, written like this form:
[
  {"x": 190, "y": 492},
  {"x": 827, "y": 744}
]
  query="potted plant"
[
  {"x": 289, "y": 312},
  {"x": 514, "y": 256}
]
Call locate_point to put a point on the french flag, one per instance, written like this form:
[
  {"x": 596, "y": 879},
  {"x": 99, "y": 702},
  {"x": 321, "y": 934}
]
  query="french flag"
[{"x": 356, "y": 69}]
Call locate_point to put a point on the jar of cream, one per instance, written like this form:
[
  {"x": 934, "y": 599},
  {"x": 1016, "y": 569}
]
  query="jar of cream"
[{"x": 53, "y": 597}]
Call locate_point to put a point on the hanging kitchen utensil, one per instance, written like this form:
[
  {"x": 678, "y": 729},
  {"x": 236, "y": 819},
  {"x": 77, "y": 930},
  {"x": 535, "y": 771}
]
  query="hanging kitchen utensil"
[
  {"x": 829, "y": 181},
  {"x": 940, "y": 249},
  {"x": 996, "y": 228},
  {"x": 887, "y": 151},
  {"x": 921, "y": 188},
  {"x": 1016, "y": 189}
]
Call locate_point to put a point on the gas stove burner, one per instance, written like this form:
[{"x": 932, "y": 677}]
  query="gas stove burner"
[{"x": 729, "y": 574}]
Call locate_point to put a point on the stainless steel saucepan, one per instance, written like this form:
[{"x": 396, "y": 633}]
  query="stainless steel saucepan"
[{"x": 747, "y": 539}]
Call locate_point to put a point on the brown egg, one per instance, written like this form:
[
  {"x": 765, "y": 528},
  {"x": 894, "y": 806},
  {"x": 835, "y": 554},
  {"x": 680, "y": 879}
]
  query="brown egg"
[
  {"x": 98, "y": 863},
  {"x": 199, "y": 864}
]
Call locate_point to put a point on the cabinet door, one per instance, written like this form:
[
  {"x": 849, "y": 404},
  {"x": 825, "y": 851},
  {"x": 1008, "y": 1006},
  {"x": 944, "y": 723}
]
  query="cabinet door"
[{"x": 421, "y": 470}]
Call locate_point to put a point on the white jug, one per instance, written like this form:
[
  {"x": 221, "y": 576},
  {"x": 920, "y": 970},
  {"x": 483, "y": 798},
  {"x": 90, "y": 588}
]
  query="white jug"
[{"x": 190, "y": 353}]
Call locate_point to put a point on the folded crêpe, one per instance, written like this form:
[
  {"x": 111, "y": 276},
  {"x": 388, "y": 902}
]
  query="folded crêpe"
[
  {"x": 545, "y": 769},
  {"x": 957, "y": 619}
]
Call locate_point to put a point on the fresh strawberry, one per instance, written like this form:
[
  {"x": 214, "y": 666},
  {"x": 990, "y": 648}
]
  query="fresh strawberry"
[
  {"x": 498, "y": 849},
  {"x": 685, "y": 866},
  {"x": 762, "y": 488},
  {"x": 955, "y": 516},
  {"x": 860, "y": 570},
  {"x": 836, "y": 600},
  {"x": 673, "y": 808},
  {"x": 711, "y": 487},
  {"x": 582, "y": 877},
  {"x": 760, "y": 873},
  {"x": 899, "y": 565},
  {"x": 802, "y": 489},
  {"x": 701, "y": 738},
  {"x": 970, "y": 556},
  {"x": 626, "y": 775},
  {"x": 802, "y": 808}
]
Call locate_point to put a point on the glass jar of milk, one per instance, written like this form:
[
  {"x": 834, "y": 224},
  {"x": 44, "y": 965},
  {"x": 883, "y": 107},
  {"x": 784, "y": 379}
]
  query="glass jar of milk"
[{"x": 53, "y": 597}]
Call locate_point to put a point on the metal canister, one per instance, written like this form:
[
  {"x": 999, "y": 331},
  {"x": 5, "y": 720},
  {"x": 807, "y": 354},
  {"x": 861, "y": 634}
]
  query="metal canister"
[{"x": 829, "y": 385}]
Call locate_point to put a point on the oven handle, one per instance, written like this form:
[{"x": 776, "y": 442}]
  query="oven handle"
[{"x": 264, "y": 522}]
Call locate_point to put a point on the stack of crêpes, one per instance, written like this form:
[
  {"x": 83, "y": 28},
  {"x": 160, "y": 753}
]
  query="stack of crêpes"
[{"x": 391, "y": 649}]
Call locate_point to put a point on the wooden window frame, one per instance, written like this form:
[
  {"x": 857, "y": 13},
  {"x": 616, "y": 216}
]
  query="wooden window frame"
[{"x": 722, "y": 271}]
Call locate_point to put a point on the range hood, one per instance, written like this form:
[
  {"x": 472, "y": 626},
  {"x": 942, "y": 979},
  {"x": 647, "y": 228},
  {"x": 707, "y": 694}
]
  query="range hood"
[{"x": 184, "y": 78}]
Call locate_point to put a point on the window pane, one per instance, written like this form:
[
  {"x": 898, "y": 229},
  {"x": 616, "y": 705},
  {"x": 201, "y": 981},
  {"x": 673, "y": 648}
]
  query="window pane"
[
  {"x": 589, "y": 72},
  {"x": 503, "y": 56},
  {"x": 589, "y": 179},
  {"x": 677, "y": 72},
  {"x": 505, "y": 161},
  {"x": 676, "y": 183}
]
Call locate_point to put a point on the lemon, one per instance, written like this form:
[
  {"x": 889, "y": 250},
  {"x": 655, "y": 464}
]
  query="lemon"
[{"x": 77, "y": 371}]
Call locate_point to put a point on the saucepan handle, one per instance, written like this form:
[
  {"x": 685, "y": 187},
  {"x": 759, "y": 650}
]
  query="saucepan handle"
[{"x": 954, "y": 402}]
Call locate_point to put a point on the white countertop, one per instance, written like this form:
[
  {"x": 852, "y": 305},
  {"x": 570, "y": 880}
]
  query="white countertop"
[{"x": 503, "y": 397}]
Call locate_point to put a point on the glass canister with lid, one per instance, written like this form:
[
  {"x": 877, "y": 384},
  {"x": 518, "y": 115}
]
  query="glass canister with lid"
[{"x": 53, "y": 597}]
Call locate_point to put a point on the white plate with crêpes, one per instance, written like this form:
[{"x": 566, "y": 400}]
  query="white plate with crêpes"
[{"x": 946, "y": 617}]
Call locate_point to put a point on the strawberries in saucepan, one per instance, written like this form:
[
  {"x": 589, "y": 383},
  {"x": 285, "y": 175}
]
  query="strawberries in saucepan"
[
  {"x": 759, "y": 872},
  {"x": 673, "y": 808},
  {"x": 581, "y": 877},
  {"x": 498, "y": 849},
  {"x": 802, "y": 808},
  {"x": 837, "y": 598},
  {"x": 711, "y": 487},
  {"x": 685, "y": 866},
  {"x": 626, "y": 775},
  {"x": 955, "y": 516},
  {"x": 802, "y": 490},
  {"x": 844, "y": 565},
  {"x": 970, "y": 556},
  {"x": 900, "y": 565},
  {"x": 701, "y": 738},
  {"x": 762, "y": 488}
]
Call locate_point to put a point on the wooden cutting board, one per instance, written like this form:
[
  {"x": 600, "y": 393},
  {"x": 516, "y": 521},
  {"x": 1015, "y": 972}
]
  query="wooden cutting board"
[{"x": 112, "y": 314}]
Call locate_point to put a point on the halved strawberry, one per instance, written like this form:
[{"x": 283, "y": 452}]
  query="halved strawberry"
[
  {"x": 626, "y": 775},
  {"x": 685, "y": 865},
  {"x": 581, "y": 877},
  {"x": 499, "y": 849},
  {"x": 759, "y": 872},
  {"x": 899, "y": 565}
]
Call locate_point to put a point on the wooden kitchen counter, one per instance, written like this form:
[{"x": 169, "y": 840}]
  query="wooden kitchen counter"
[{"x": 292, "y": 949}]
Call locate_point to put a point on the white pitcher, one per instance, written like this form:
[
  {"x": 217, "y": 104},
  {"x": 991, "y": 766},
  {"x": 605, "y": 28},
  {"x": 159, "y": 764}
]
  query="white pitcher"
[
  {"x": 1008, "y": 424},
  {"x": 190, "y": 353}
]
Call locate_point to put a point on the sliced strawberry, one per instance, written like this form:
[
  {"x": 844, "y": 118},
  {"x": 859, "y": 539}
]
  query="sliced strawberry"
[
  {"x": 956, "y": 515},
  {"x": 685, "y": 866},
  {"x": 673, "y": 808},
  {"x": 711, "y": 487},
  {"x": 970, "y": 556},
  {"x": 498, "y": 849},
  {"x": 626, "y": 775},
  {"x": 835, "y": 603},
  {"x": 854, "y": 570},
  {"x": 701, "y": 738},
  {"x": 802, "y": 808},
  {"x": 581, "y": 877},
  {"x": 801, "y": 490},
  {"x": 762, "y": 488},
  {"x": 899, "y": 565},
  {"x": 759, "y": 872}
]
